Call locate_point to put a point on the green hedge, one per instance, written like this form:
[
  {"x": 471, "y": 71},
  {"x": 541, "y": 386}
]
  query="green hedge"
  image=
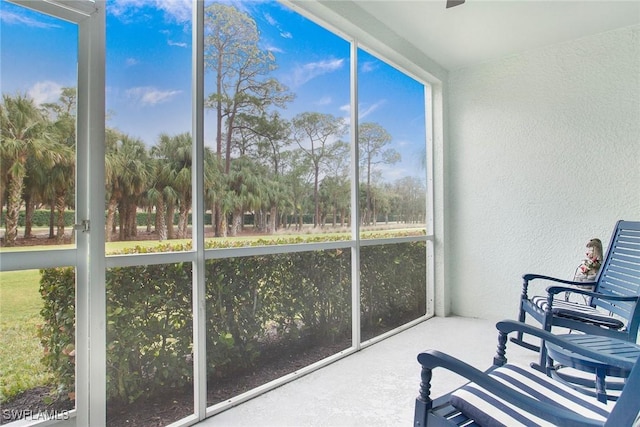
[
  {"x": 251, "y": 303},
  {"x": 41, "y": 218}
]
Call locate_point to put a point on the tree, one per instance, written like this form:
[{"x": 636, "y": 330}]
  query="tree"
[
  {"x": 60, "y": 179},
  {"x": 113, "y": 170},
  {"x": 372, "y": 142},
  {"x": 411, "y": 200},
  {"x": 175, "y": 156},
  {"x": 239, "y": 67},
  {"x": 316, "y": 134},
  {"x": 127, "y": 172},
  {"x": 298, "y": 179},
  {"x": 246, "y": 183},
  {"x": 23, "y": 135},
  {"x": 265, "y": 137}
]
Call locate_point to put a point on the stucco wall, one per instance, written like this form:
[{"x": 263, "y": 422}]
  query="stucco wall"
[{"x": 543, "y": 154}]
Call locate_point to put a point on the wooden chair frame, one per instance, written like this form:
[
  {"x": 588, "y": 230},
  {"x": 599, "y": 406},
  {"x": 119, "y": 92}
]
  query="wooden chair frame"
[
  {"x": 439, "y": 412},
  {"x": 616, "y": 291}
]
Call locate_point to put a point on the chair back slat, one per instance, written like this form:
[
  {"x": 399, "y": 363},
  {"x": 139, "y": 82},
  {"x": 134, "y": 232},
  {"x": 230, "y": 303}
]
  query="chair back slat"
[
  {"x": 620, "y": 272},
  {"x": 627, "y": 407}
]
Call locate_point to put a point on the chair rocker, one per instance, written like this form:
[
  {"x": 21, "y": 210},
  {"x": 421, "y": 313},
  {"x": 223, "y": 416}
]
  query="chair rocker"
[
  {"x": 612, "y": 307},
  {"x": 512, "y": 395}
]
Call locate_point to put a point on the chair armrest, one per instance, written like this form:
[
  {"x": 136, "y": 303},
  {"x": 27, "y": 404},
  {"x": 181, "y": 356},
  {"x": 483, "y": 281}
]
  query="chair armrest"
[
  {"x": 529, "y": 277},
  {"x": 553, "y": 290},
  {"x": 432, "y": 358},
  {"x": 508, "y": 326}
]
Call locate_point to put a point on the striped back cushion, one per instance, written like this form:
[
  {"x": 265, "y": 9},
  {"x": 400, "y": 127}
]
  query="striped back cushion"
[{"x": 489, "y": 410}]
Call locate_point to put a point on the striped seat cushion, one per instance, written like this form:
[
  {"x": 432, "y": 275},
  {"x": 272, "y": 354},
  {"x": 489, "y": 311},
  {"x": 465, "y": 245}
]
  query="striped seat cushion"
[
  {"x": 577, "y": 311},
  {"x": 489, "y": 410}
]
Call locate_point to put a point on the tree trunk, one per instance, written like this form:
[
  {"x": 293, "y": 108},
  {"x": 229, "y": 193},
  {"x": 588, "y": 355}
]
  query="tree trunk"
[
  {"x": 149, "y": 211},
  {"x": 316, "y": 197},
  {"x": 183, "y": 219},
  {"x": 132, "y": 219},
  {"x": 161, "y": 225},
  {"x": 60, "y": 207},
  {"x": 14, "y": 200},
  {"x": 216, "y": 219},
  {"x": 171, "y": 208},
  {"x": 235, "y": 222},
  {"x": 273, "y": 215},
  {"x": 122, "y": 219},
  {"x": 111, "y": 214},
  {"x": 52, "y": 218},
  {"x": 29, "y": 206}
]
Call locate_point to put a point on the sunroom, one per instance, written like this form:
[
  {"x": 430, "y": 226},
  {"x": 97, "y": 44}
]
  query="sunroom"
[{"x": 204, "y": 201}]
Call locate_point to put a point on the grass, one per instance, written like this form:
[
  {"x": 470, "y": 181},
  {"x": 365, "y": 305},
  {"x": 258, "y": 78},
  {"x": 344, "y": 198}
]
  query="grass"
[{"x": 20, "y": 352}]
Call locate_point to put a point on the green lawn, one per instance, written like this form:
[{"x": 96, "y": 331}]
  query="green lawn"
[{"x": 20, "y": 352}]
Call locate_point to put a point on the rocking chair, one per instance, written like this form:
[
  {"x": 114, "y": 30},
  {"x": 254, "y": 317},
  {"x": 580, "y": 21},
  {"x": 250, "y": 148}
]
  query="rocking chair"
[
  {"x": 612, "y": 308},
  {"x": 512, "y": 395}
]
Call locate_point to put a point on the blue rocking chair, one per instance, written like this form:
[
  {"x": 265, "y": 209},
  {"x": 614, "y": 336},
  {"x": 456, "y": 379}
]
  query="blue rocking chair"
[
  {"x": 612, "y": 308},
  {"x": 512, "y": 395}
]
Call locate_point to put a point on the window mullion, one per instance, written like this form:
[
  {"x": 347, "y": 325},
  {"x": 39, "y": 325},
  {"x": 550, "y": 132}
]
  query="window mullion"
[
  {"x": 355, "y": 205},
  {"x": 197, "y": 176}
]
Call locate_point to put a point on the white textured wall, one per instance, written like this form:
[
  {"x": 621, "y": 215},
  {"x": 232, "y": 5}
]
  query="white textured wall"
[{"x": 543, "y": 154}]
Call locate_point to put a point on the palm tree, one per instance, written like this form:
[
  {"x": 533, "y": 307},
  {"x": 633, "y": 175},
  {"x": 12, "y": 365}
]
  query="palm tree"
[
  {"x": 133, "y": 179},
  {"x": 61, "y": 177},
  {"x": 174, "y": 154},
  {"x": 161, "y": 193},
  {"x": 127, "y": 173},
  {"x": 113, "y": 170},
  {"x": 246, "y": 183},
  {"x": 214, "y": 187},
  {"x": 23, "y": 132}
]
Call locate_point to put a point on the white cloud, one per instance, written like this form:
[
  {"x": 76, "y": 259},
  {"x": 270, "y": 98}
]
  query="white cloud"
[
  {"x": 46, "y": 91},
  {"x": 325, "y": 100},
  {"x": 272, "y": 21},
  {"x": 176, "y": 10},
  {"x": 302, "y": 74},
  {"x": 150, "y": 96},
  {"x": 363, "y": 111},
  {"x": 178, "y": 44},
  {"x": 274, "y": 49},
  {"x": 368, "y": 66},
  {"x": 10, "y": 18},
  {"x": 130, "y": 62}
]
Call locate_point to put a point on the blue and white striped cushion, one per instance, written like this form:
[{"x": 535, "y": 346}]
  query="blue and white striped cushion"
[
  {"x": 489, "y": 410},
  {"x": 578, "y": 311}
]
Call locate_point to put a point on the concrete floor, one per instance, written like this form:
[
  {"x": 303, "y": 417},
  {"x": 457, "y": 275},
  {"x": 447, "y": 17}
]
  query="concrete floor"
[{"x": 376, "y": 386}]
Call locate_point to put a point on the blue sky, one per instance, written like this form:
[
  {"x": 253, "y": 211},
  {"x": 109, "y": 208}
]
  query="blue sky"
[{"x": 149, "y": 70}]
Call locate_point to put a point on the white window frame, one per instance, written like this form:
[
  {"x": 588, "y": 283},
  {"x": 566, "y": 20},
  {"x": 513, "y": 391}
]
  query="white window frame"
[{"x": 89, "y": 256}]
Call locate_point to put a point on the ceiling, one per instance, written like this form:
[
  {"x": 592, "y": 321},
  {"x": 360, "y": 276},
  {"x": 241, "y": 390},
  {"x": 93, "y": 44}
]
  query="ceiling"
[{"x": 482, "y": 30}]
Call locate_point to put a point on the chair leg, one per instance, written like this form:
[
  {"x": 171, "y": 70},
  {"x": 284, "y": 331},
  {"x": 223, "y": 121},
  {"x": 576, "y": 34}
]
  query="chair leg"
[
  {"x": 543, "y": 366},
  {"x": 518, "y": 339},
  {"x": 601, "y": 392}
]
